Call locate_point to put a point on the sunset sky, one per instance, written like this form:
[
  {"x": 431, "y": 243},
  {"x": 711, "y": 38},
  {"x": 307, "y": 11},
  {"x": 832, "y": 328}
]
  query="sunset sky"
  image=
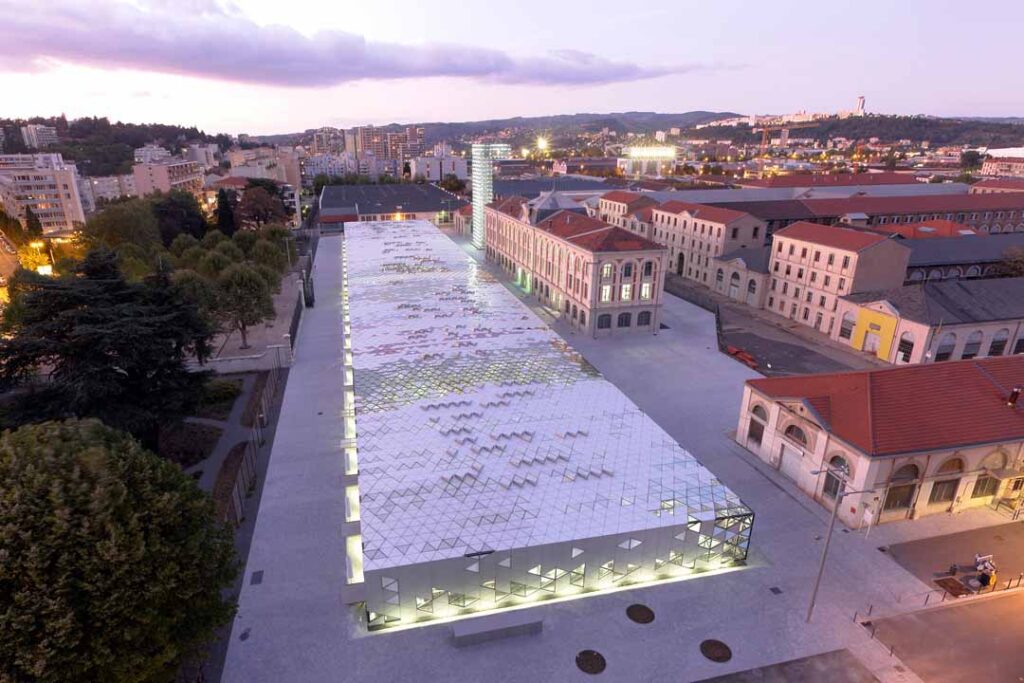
[{"x": 261, "y": 66}]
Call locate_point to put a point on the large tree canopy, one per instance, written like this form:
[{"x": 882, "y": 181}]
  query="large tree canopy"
[
  {"x": 130, "y": 222},
  {"x": 112, "y": 560},
  {"x": 177, "y": 213},
  {"x": 111, "y": 349}
]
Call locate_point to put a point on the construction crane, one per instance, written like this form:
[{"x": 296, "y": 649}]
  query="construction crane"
[{"x": 766, "y": 131}]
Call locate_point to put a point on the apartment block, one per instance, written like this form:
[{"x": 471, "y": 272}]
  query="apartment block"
[
  {"x": 44, "y": 183},
  {"x": 813, "y": 265},
  {"x": 167, "y": 175},
  {"x": 36, "y": 136},
  {"x": 696, "y": 234}
]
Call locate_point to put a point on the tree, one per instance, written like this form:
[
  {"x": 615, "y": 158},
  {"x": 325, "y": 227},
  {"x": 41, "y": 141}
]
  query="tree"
[
  {"x": 245, "y": 239},
  {"x": 178, "y": 212},
  {"x": 265, "y": 253},
  {"x": 971, "y": 160},
  {"x": 111, "y": 349},
  {"x": 258, "y": 207},
  {"x": 213, "y": 238},
  {"x": 114, "y": 563},
  {"x": 213, "y": 263},
  {"x": 452, "y": 183},
  {"x": 227, "y": 203},
  {"x": 196, "y": 290},
  {"x": 182, "y": 243},
  {"x": 129, "y": 222},
  {"x": 33, "y": 226},
  {"x": 245, "y": 298}
]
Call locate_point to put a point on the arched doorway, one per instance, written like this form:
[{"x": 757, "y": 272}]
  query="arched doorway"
[
  {"x": 756, "y": 426},
  {"x": 752, "y": 293},
  {"x": 734, "y": 286},
  {"x": 899, "y": 498}
]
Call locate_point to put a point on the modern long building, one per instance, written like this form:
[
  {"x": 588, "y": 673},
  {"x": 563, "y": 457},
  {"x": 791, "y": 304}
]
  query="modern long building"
[
  {"x": 487, "y": 464},
  {"x": 47, "y": 185}
]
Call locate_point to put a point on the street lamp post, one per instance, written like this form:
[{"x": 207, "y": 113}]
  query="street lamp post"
[{"x": 841, "y": 476}]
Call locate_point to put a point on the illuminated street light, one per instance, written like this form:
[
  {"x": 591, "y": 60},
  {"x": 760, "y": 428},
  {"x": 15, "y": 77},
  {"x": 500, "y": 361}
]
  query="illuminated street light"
[{"x": 542, "y": 144}]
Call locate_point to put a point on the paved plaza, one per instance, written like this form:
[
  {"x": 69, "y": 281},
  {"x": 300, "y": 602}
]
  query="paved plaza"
[{"x": 292, "y": 620}]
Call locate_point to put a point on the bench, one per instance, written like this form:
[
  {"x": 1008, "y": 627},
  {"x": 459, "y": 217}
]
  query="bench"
[{"x": 503, "y": 624}]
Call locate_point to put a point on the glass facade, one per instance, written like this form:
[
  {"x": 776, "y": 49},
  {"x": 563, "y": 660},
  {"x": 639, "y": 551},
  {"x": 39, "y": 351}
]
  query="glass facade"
[{"x": 484, "y": 155}]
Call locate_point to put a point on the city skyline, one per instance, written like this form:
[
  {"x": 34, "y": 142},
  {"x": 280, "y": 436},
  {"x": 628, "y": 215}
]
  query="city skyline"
[{"x": 270, "y": 69}]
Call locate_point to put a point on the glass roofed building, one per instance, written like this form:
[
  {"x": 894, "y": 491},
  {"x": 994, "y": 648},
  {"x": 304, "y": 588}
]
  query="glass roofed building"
[{"x": 487, "y": 464}]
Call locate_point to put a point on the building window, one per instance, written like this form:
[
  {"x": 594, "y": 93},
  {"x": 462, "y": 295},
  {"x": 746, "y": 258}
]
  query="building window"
[
  {"x": 905, "y": 348},
  {"x": 846, "y": 262},
  {"x": 945, "y": 348},
  {"x": 645, "y": 291},
  {"x": 606, "y": 270},
  {"x": 583, "y": 318},
  {"x": 985, "y": 486},
  {"x": 771, "y": 300},
  {"x": 735, "y": 233},
  {"x": 796, "y": 435},
  {"x": 807, "y": 313},
  {"x": 837, "y": 471},
  {"x": 719, "y": 277},
  {"x": 842, "y": 284},
  {"x": 604, "y": 321},
  {"x": 606, "y": 293},
  {"x": 643, "y": 319},
  {"x": 902, "y": 487},
  {"x": 972, "y": 346},
  {"x": 828, "y": 280},
  {"x": 627, "y": 292},
  {"x": 648, "y": 268},
  {"x": 817, "y": 255},
  {"x": 998, "y": 344},
  {"x": 625, "y": 319},
  {"x": 846, "y": 327},
  {"x": 831, "y": 259},
  {"x": 627, "y": 270},
  {"x": 945, "y": 491}
]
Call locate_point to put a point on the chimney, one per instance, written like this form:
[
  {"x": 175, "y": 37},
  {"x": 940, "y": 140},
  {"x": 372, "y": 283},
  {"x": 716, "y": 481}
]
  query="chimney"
[{"x": 1011, "y": 400}]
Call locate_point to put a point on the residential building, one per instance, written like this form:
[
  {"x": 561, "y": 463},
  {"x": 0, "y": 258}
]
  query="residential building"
[
  {"x": 909, "y": 441},
  {"x": 328, "y": 140},
  {"x": 484, "y": 156},
  {"x": 435, "y": 169},
  {"x": 371, "y": 140},
  {"x": 36, "y": 136},
  {"x": 1002, "y": 167},
  {"x": 959, "y": 257},
  {"x": 167, "y": 175},
  {"x": 47, "y": 185},
  {"x": 343, "y": 204},
  {"x": 813, "y": 265},
  {"x": 148, "y": 154},
  {"x": 203, "y": 154},
  {"x": 602, "y": 279},
  {"x": 328, "y": 165},
  {"x": 996, "y": 185},
  {"x": 939, "y": 321},
  {"x": 462, "y": 220},
  {"x": 96, "y": 190},
  {"x": 696, "y": 233}
]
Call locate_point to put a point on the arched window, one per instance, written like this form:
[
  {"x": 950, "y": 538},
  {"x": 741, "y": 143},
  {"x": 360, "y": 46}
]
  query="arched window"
[
  {"x": 847, "y": 325},
  {"x": 905, "y": 348},
  {"x": 953, "y": 273},
  {"x": 934, "y": 274},
  {"x": 987, "y": 485},
  {"x": 838, "y": 471},
  {"x": 625, "y": 319},
  {"x": 795, "y": 434},
  {"x": 734, "y": 286},
  {"x": 604, "y": 321},
  {"x": 951, "y": 466},
  {"x": 752, "y": 287},
  {"x": 944, "y": 491},
  {"x": 759, "y": 412},
  {"x": 574, "y": 311},
  {"x": 973, "y": 345},
  {"x": 974, "y": 271},
  {"x": 917, "y": 275},
  {"x": 998, "y": 344},
  {"x": 902, "y": 487},
  {"x": 945, "y": 349},
  {"x": 606, "y": 270},
  {"x": 719, "y": 277},
  {"x": 643, "y": 319}
]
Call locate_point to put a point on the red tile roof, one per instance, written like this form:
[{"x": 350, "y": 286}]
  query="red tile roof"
[
  {"x": 645, "y": 214},
  {"x": 510, "y": 206},
  {"x": 1000, "y": 184},
  {"x": 832, "y": 180},
  {"x": 704, "y": 212},
  {"x": 632, "y": 200},
  {"x": 232, "y": 183},
  {"x": 834, "y": 236},
  {"x": 915, "y": 408},
  {"x": 939, "y": 227},
  {"x": 594, "y": 235}
]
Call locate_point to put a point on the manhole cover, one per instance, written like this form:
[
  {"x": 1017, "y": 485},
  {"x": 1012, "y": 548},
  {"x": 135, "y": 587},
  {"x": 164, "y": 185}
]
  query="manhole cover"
[
  {"x": 641, "y": 614},
  {"x": 716, "y": 651},
  {"x": 590, "y": 661}
]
